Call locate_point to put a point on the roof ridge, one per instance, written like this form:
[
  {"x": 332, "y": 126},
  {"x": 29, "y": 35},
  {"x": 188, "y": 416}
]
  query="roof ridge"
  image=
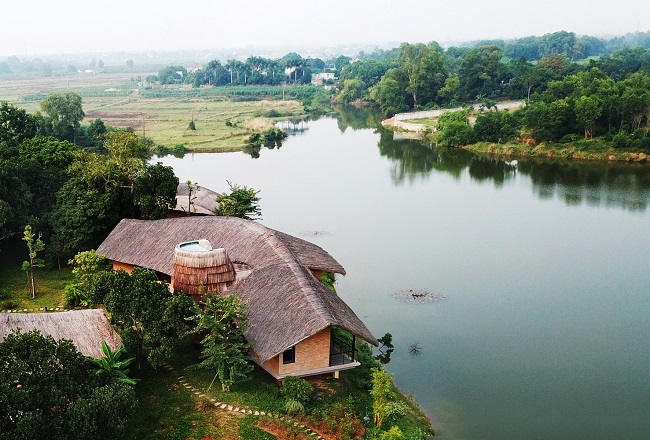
[{"x": 291, "y": 260}]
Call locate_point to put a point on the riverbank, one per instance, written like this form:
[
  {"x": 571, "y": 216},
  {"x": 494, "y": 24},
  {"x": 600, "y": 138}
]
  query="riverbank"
[{"x": 580, "y": 150}]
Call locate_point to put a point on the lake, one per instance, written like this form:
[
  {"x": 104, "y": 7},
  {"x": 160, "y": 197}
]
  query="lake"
[{"x": 543, "y": 331}]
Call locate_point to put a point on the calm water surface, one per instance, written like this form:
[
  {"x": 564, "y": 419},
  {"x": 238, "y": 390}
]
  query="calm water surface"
[{"x": 543, "y": 332}]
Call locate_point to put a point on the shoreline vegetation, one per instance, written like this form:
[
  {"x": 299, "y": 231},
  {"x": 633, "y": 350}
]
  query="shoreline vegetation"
[{"x": 591, "y": 150}]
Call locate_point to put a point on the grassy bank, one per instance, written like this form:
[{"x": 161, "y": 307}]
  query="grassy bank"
[{"x": 580, "y": 150}]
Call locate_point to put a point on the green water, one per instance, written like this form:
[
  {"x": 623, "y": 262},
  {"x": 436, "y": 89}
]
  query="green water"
[{"x": 543, "y": 332}]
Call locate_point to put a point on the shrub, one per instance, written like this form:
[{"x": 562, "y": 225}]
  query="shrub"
[
  {"x": 293, "y": 406},
  {"x": 621, "y": 140},
  {"x": 296, "y": 388},
  {"x": 9, "y": 304}
]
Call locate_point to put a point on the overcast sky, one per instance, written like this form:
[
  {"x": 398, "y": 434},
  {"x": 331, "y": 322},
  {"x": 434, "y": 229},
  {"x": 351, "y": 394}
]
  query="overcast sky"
[{"x": 29, "y": 27}]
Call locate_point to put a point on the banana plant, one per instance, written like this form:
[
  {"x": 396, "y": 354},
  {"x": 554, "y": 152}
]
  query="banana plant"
[{"x": 112, "y": 366}]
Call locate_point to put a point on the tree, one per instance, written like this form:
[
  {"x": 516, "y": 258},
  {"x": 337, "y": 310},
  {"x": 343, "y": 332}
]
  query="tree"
[
  {"x": 85, "y": 265},
  {"x": 88, "y": 205},
  {"x": 424, "y": 67},
  {"x": 148, "y": 317},
  {"x": 128, "y": 154},
  {"x": 172, "y": 75},
  {"x": 242, "y": 202},
  {"x": 64, "y": 114},
  {"x": 192, "y": 189},
  {"x": 34, "y": 245},
  {"x": 48, "y": 391},
  {"x": 389, "y": 92},
  {"x": 481, "y": 72},
  {"x": 587, "y": 110},
  {"x": 41, "y": 164},
  {"x": 381, "y": 393},
  {"x": 155, "y": 191},
  {"x": 96, "y": 130},
  {"x": 223, "y": 320},
  {"x": 16, "y": 125}
]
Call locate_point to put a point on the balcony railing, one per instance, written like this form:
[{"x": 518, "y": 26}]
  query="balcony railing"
[{"x": 341, "y": 351}]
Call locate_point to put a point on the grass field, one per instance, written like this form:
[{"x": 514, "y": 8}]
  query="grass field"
[
  {"x": 121, "y": 102},
  {"x": 15, "y": 291}
]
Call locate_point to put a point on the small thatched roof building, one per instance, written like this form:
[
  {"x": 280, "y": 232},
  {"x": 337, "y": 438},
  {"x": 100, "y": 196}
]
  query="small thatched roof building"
[
  {"x": 85, "y": 328},
  {"x": 203, "y": 201},
  {"x": 277, "y": 273}
]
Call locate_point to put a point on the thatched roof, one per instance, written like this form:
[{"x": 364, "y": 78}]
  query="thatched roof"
[
  {"x": 204, "y": 200},
  {"x": 286, "y": 302},
  {"x": 85, "y": 328}
]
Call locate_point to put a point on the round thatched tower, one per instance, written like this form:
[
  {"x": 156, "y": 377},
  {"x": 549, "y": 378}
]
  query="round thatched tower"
[{"x": 198, "y": 268}]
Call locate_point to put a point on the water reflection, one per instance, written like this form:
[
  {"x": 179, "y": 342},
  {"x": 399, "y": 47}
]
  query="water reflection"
[
  {"x": 357, "y": 118},
  {"x": 619, "y": 185}
]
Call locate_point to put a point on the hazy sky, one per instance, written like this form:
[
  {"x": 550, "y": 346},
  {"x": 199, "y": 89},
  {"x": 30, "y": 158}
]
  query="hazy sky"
[{"x": 29, "y": 27}]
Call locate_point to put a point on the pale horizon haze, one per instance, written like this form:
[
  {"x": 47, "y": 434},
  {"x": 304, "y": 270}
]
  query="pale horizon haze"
[{"x": 33, "y": 27}]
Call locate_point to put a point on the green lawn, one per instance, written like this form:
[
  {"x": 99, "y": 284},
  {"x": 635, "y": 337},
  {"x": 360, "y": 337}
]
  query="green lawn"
[{"x": 14, "y": 286}]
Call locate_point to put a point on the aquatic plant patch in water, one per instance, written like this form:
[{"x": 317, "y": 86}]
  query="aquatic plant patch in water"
[{"x": 417, "y": 296}]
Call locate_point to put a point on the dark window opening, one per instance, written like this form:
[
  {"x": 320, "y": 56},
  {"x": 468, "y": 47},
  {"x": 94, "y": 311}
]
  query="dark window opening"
[{"x": 289, "y": 356}]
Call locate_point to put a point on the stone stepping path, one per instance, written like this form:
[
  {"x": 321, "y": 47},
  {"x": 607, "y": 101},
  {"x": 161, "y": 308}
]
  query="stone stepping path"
[{"x": 226, "y": 407}]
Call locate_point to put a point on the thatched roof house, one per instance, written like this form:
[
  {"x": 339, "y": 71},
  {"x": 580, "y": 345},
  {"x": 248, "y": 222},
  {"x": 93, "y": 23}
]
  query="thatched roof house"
[
  {"x": 85, "y": 328},
  {"x": 203, "y": 201},
  {"x": 291, "y": 312}
]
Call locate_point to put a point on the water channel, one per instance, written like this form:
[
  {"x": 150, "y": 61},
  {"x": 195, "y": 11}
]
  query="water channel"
[{"x": 544, "y": 328}]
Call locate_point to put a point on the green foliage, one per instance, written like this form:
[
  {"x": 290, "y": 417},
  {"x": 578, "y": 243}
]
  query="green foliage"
[
  {"x": 178, "y": 150},
  {"x": 86, "y": 265},
  {"x": 150, "y": 320},
  {"x": 112, "y": 366},
  {"x": 34, "y": 246},
  {"x": 381, "y": 392},
  {"x": 16, "y": 125},
  {"x": 155, "y": 191},
  {"x": 89, "y": 204},
  {"x": 495, "y": 126},
  {"x": 242, "y": 202},
  {"x": 394, "y": 433},
  {"x": 386, "y": 340},
  {"x": 223, "y": 320},
  {"x": 48, "y": 392},
  {"x": 64, "y": 115},
  {"x": 454, "y": 130},
  {"x": 296, "y": 388},
  {"x": 328, "y": 278},
  {"x": 293, "y": 406}
]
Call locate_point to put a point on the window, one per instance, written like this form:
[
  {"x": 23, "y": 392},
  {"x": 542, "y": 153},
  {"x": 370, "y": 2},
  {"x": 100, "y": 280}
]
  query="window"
[{"x": 289, "y": 356}]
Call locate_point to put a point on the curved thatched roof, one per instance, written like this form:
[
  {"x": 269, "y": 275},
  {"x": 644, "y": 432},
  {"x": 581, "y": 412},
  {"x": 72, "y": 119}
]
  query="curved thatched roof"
[
  {"x": 204, "y": 200},
  {"x": 85, "y": 328},
  {"x": 286, "y": 302}
]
